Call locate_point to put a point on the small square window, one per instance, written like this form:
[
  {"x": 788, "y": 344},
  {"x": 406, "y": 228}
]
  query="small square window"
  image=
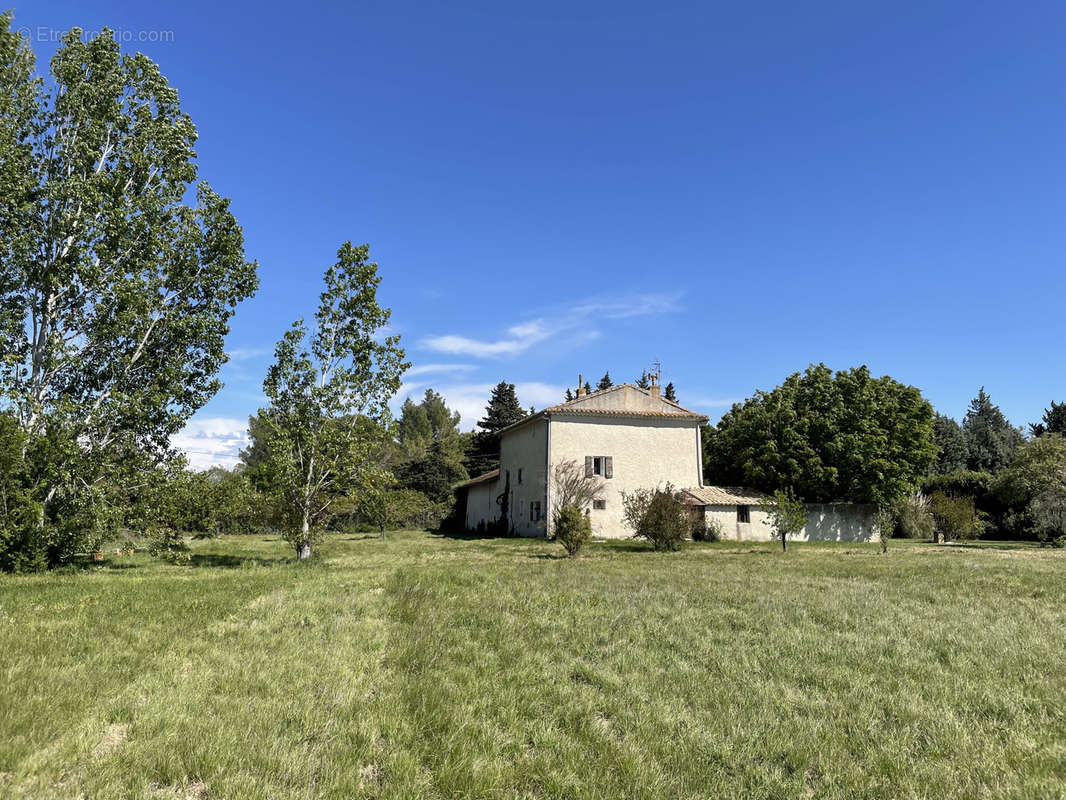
[
  {"x": 743, "y": 514},
  {"x": 599, "y": 505}
]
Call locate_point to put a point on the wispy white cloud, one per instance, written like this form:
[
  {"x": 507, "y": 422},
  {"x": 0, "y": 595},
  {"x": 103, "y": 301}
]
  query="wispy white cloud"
[
  {"x": 212, "y": 441},
  {"x": 249, "y": 353},
  {"x": 428, "y": 369},
  {"x": 583, "y": 316}
]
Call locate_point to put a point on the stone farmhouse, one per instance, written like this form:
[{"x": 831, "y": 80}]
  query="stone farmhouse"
[{"x": 631, "y": 438}]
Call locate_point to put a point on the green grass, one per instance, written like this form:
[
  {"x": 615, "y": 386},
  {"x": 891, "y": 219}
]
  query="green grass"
[{"x": 431, "y": 667}]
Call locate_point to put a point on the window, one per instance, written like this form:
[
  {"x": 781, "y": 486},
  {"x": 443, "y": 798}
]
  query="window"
[
  {"x": 599, "y": 465},
  {"x": 599, "y": 505},
  {"x": 519, "y": 475},
  {"x": 743, "y": 514},
  {"x": 534, "y": 511},
  {"x": 521, "y": 508}
]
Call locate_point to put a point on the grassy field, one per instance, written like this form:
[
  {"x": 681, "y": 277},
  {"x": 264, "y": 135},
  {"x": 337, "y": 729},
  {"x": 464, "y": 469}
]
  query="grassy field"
[{"x": 431, "y": 667}]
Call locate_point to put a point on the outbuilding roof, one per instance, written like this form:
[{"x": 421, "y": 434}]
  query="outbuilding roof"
[
  {"x": 486, "y": 478},
  {"x": 725, "y": 496}
]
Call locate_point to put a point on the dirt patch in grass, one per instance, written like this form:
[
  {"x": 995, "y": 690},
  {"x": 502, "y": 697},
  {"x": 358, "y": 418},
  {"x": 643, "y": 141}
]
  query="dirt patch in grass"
[{"x": 111, "y": 740}]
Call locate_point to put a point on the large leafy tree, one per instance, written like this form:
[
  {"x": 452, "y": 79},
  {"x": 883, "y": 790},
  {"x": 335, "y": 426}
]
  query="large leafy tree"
[
  {"x": 991, "y": 440},
  {"x": 503, "y": 410},
  {"x": 953, "y": 455},
  {"x": 1054, "y": 421},
  {"x": 329, "y": 389},
  {"x": 115, "y": 292},
  {"x": 827, "y": 436}
]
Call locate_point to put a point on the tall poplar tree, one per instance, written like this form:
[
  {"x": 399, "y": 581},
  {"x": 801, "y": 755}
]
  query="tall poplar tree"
[{"x": 115, "y": 294}]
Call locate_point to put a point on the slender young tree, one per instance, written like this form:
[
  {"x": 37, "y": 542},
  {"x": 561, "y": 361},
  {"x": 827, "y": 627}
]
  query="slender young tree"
[
  {"x": 788, "y": 515},
  {"x": 329, "y": 389},
  {"x": 670, "y": 393},
  {"x": 115, "y": 293}
]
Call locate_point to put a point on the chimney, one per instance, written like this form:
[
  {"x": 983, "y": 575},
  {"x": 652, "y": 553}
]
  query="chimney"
[
  {"x": 580, "y": 385},
  {"x": 654, "y": 388}
]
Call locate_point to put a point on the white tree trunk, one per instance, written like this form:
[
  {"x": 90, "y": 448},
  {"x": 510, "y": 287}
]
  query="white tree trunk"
[{"x": 304, "y": 551}]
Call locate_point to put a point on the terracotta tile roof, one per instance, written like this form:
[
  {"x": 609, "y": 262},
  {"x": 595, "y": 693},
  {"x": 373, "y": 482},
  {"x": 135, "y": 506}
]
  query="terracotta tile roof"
[
  {"x": 488, "y": 476},
  {"x": 725, "y": 496}
]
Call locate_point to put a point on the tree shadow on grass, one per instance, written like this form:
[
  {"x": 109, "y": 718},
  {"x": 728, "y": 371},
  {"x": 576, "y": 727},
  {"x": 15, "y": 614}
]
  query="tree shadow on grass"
[
  {"x": 988, "y": 545},
  {"x": 470, "y": 537},
  {"x": 234, "y": 561}
]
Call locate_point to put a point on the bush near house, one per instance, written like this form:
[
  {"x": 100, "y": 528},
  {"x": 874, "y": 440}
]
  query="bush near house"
[
  {"x": 572, "y": 528},
  {"x": 658, "y": 515}
]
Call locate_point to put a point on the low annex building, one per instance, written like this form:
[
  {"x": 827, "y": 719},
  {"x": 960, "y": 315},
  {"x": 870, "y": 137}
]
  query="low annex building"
[{"x": 631, "y": 438}]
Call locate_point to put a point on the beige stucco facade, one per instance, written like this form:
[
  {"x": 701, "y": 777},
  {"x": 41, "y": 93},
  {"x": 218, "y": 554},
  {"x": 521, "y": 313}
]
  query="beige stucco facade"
[{"x": 646, "y": 453}]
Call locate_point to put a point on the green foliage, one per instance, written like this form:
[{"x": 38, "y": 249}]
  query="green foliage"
[
  {"x": 1039, "y": 468},
  {"x": 1054, "y": 421},
  {"x": 828, "y": 437},
  {"x": 991, "y": 440},
  {"x": 670, "y": 393},
  {"x": 329, "y": 390},
  {"x": 605, "y": 382},
  {"x": 502, "y": 411},
  {"x": 1048, "y": 513},
  {"x": 572, "y": 528},
  {"x": 951, "y": 442},
  {"x": 659, "y": 516},
  {"x": 955, "y": 518},
  {"x": 115, "y": 293},
  {"x": 569, "y": 395},
  {"x": 435, "y": 474},
  {"x": 644, "y": 381},
  {"x": 914, "y": 519},
  {"x": 787, "y": 513},
  {"x": 168, "y": 544}
]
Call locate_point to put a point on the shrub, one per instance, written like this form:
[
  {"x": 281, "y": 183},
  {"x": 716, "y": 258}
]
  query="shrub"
[
  {"x": 913, "y": 517},
  {"x": 886, "y": 526},
  {"x": 660, "y": 516},
  {"x": 572, "y": 528},
  {"x": 955, "y": 517},
  {"x": 705, "y": 530}
]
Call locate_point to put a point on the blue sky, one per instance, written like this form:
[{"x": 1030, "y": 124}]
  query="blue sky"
[{"x": 736, "y": 190}]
